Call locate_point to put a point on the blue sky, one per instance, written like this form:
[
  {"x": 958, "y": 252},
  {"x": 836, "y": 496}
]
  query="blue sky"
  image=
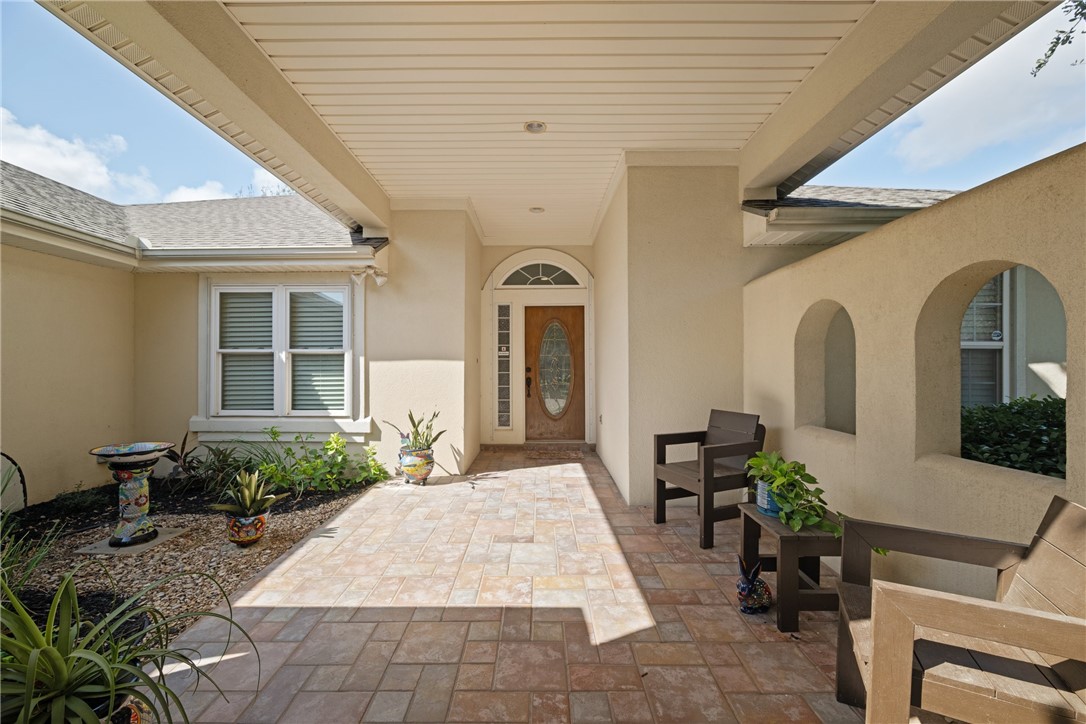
[{"x": 73, "y": 114}]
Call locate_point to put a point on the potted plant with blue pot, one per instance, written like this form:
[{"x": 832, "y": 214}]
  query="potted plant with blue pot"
[
  {"x": 784, "y": 489},
  {"x": 417, "y": 447}
]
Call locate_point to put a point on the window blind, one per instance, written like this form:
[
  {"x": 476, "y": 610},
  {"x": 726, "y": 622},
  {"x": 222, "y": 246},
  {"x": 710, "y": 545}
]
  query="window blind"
[
  {"x": 245, "y": 323},
  {"x": 245, "y": 320},
  {"x": 317, "y": 382},
  {"x": 316, "y": 320},
  {"x": 248, "y": 381},
  {"x": 981, "y": 377}
]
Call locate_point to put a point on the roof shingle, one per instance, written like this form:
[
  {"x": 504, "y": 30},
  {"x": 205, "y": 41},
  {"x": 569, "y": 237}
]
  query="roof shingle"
[{"x": 28, "y": 193}]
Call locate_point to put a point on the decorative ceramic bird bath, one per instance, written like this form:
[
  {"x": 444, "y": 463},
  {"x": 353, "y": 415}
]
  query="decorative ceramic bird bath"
[{"x": 131, "y": 465}]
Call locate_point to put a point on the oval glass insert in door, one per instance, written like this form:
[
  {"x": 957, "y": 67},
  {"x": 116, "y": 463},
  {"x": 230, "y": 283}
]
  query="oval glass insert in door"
[{"x": 555, "y": 369}]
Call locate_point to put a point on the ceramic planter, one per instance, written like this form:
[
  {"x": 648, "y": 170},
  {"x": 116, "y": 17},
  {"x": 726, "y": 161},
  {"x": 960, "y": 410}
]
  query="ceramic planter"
[
  {"x": 767, "y": 504},
  {"x": 416, "y": 465},
  {"x": 246, "y": 531}
]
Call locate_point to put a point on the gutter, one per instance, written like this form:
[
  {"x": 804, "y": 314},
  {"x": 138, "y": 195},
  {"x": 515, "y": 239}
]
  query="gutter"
[
  {"x": 39, "y": 235},
  {"x": 818, "y": 225},
  {"x": 284, "y": 258},
  {"x": 34, "y": 234}
]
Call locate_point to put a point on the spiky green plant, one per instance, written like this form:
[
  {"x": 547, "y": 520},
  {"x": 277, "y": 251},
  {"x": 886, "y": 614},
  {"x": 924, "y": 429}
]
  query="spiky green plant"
[
  {"x": 21, "y": 554},
  {"x": 249, "y": 497},
  {"x": 422, "y": 436},
  {"x": 61, "y": 672}
]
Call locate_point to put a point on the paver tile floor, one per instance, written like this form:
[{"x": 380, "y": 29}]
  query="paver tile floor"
[{"x": 527, "y": 591}]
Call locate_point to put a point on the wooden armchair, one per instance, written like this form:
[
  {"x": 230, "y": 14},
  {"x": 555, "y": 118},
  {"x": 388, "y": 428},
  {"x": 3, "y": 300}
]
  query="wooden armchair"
[
  {"x": 723, "y": 447},
  {"x": 1021, "y": 658}
]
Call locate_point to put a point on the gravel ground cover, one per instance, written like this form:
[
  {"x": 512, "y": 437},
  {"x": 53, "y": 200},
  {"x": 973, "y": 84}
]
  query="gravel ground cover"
[{"x": 202, "y": 547}]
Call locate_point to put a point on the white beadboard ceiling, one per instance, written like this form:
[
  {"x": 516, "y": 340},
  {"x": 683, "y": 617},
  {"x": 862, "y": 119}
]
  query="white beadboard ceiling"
[{"x": 431, "y": 96}]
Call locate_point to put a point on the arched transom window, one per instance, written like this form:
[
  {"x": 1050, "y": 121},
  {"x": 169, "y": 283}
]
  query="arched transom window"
[{"x": 540, "y": 275}]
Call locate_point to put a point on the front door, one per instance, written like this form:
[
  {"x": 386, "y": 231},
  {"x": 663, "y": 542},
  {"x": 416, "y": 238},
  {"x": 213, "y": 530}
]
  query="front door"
[{"x": 554, "y": 382}]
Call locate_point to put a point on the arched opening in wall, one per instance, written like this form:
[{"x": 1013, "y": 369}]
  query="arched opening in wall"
[
  {"x": 996, "y": 394},
  {"x": 825, "y": 368}
]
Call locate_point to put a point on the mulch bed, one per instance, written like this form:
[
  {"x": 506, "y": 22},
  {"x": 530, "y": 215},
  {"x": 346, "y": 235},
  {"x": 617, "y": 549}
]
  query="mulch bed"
[{"x": 90, "y": 516}]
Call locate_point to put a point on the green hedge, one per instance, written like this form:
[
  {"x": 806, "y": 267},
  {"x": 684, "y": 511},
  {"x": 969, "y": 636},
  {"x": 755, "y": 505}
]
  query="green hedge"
[{"x": 1023, "y": 434}]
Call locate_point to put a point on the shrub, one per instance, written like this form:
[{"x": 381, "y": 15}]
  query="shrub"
[
  {"x": 304, "y": 465},
  {"x": 1024, "y": 434}
]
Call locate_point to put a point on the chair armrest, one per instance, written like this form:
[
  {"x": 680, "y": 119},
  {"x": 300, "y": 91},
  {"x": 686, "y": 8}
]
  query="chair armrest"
[
  {"x": 897, "y": 611},
  {"x": 662, "y": 440},
  {"x": 861, "y": 536},
  {"x": 729, "y": 450}
]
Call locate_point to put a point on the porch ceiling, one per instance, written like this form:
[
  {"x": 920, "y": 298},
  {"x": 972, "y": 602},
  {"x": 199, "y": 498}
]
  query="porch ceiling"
[{"x": 429, "y": 99}]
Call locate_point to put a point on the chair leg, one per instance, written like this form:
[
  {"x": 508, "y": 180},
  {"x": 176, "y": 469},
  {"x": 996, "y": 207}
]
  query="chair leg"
[
  {"x": 660, "y": 514},
  {"x": 705, "y": 518},
  {"x": 850, "y": 685}
]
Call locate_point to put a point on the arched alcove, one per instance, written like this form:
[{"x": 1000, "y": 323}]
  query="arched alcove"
[
  {"x": 825, "y": 368},
  {"x": 987, "y": 336}
]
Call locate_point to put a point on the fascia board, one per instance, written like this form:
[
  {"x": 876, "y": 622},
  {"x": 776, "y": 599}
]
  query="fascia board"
[{"x": 33, "y": 234}]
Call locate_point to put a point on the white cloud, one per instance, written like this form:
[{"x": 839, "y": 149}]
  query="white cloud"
[
  {"x": 81, "y": 164},
  {"x": 204, "y": 192},
  {"x": 85, "y": 165},
  {"x": 998, "y": 101},
  {"x": 266, "y": 184}
]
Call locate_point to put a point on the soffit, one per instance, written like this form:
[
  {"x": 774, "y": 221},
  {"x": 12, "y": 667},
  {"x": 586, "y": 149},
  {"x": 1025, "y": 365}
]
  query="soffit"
[{"x": 430, "y": 97}]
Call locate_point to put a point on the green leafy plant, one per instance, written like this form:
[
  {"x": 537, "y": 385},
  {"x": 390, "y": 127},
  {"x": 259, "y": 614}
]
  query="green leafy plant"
[
  {"x": 21, "y": 554},
  {"x": 1024, "y": 434},
  {"x": 217, "y": 468},
  {"x": 370, "y": 469},
  {"x": 791, "y": 486},
  {"x": 72, "y": 670},
  {"x": 249, "y": 496},
  {"x": 422, "y": 436},
  {"x": 304, "y": 466}
]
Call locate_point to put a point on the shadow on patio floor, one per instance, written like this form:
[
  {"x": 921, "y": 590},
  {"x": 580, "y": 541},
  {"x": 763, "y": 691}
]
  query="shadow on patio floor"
[{"x": 526, "y": 591}]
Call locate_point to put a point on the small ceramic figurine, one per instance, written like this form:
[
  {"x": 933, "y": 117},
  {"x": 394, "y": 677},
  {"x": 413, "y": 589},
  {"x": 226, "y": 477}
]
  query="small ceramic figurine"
[{"x": 754, "y": 594}]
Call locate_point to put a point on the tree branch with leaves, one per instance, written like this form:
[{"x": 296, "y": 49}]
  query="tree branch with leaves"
[{"x": 1076, "y": 12}]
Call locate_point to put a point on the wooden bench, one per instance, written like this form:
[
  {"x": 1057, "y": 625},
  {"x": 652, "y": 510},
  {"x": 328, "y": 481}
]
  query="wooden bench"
[
  {"x": 723, "y": 449},
  {"x": 1021, "y": 658}
]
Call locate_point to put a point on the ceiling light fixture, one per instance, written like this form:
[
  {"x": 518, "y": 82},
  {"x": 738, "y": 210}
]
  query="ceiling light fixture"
[
  {"x": 537, "y": 209},
  {"x": 535, "y": 126}
]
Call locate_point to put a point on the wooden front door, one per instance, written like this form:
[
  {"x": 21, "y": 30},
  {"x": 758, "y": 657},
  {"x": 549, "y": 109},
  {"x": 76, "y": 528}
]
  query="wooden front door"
[{"x": 554, "y": 381}]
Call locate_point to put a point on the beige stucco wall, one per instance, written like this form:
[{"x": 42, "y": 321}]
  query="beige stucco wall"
[
  {"x": 840, "y": 374},
  {"x": 416, "y": 335},
  {"x": 167, "y": 360},
  {"x": 901, "y": 466},
  {"x": 473, "y": 276},
  {"x": 1044, "y": 340},
  {"x": 67, "y": 369},
  {"x": 612, "y": 329},
  {"x": 687, "y": 268}
]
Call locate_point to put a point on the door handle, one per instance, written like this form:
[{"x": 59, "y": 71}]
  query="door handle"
[{"x": 528, "y": 383}]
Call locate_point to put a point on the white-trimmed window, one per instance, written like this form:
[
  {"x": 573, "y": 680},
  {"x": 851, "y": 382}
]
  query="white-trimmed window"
[{"x": 281, "y": 350}]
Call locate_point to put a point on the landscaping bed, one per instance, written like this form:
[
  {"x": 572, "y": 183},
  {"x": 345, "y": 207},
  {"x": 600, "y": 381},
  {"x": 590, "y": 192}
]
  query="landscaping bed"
[{"x": 89, "y": 516}]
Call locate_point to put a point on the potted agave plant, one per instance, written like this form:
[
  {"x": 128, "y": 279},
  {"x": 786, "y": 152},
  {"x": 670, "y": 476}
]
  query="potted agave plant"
[
  {"x": 71, "y": 669},
  {"x": 247, "y": 515},
  {"x": 417, "y": 448}
]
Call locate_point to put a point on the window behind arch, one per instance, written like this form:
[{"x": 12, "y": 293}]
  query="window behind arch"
[{"x": 540, "y": 275}]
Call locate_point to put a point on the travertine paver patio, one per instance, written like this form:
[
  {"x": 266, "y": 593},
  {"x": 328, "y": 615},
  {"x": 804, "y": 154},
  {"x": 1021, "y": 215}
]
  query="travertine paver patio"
[{"x": 527, "y": 591}]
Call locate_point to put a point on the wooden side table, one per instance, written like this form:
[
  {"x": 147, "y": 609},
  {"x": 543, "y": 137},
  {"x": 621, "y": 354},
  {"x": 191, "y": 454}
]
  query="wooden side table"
[{"x": 796, "y": 563}]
